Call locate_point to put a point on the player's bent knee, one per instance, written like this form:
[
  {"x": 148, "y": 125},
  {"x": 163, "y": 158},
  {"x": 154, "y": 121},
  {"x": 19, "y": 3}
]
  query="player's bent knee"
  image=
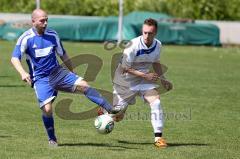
[
  {"x": 82, "y": 86},
  {"x": 154, "y": 99},
  {"x": 151, "y": 96},
  {"x": 47, "y": 110},
  {"x": 82, "y": 83},
  {"x": 155, "y": 103}
]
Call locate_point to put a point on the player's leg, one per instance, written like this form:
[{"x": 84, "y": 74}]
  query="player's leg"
[
  {"x": 45, "y": 95},
  {"x": 92, "y": 94},
  {"x": 122, "y": 97},
  {"x": 152, "y": 97},
  {"x": 67, "y": 81},
  {"x": 118, "y": 103},
  {"x": 47, "y": 117}
]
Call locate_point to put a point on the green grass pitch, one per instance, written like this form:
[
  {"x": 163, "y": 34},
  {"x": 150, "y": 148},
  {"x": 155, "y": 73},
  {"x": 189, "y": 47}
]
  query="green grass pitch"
[{"x": 202, "y": 111}]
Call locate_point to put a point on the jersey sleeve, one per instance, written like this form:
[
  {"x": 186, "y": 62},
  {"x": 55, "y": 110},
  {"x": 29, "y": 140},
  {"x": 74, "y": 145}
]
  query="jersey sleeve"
[
  {"x": 20, "y": 47},
  {"x": 157, "y": 57},
  {"x": 60, "y": 50},
  {"x": 17, "y": 52},
  {"x": 128, "y": 57}
]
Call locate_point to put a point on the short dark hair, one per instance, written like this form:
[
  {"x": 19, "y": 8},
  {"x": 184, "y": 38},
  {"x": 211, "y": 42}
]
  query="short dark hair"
[{"x": 151, "y": 22}]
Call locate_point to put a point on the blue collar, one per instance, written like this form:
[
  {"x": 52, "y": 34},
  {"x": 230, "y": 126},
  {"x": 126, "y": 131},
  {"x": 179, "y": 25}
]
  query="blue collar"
[{"x": 146, "y": 51}]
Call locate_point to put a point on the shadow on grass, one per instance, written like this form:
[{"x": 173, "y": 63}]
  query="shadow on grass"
[
  {"x": 4, "y": 76},
  {"x": 5, "y": 136},
  {"x": 186, "y": 144},
  {"x": 97, "y": 145},
  {"x": 169, "y": 144},
  {"x": 10, "y": 86},
  {"x": 134, "y": 143}
]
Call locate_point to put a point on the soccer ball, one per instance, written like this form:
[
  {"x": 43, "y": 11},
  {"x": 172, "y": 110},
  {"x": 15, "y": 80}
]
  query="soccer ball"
[{"x": 104, "y": 124}]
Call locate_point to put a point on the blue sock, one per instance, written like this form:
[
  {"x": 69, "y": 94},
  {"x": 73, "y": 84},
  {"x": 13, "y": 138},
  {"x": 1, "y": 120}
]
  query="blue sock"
[
  {"x": 95, "y": 97},
  {"x": 49, "y": 125}
]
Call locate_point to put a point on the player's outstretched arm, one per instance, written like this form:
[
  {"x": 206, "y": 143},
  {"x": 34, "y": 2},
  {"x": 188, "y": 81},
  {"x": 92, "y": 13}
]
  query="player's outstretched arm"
[
  {"x": 66, "y": 60},
  {"x": 18, "y": 66},
  {"x": 158, "y": 69},
  {"x": 146, "y": 76}
]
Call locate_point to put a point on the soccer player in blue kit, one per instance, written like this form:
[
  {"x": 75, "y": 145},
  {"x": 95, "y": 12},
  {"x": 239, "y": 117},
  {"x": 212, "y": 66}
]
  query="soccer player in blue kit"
[{"x": 46, "y": 76}]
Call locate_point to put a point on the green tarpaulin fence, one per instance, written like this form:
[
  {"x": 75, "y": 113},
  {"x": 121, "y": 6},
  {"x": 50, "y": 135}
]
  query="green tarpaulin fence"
[{"x": 105, "y": 28}]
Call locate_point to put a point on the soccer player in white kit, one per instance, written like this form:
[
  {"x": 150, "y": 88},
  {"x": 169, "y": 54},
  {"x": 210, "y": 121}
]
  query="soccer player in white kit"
[{"x": 133, "y": 77}]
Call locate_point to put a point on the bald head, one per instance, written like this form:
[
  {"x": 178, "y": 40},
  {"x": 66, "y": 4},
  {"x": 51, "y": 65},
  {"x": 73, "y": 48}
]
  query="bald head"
[
  {"x": 39, "y": 20},
  {"x": 38, "y": 13}
]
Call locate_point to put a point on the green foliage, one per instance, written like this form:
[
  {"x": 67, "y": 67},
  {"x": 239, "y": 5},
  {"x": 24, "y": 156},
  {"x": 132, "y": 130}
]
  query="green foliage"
[
  {"x": 195, "y": 9},
  {"x": 21, "y": 6},
  {"x": 205, "y": 9}
]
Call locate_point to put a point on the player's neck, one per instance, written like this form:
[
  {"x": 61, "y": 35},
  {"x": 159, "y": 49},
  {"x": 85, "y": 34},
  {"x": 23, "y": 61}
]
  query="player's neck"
[
  {"x": 148, "y": 45},
  {"x": 39, "y": 31}
]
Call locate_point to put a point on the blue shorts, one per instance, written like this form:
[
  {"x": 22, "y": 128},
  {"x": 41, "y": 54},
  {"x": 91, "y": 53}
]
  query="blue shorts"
[{"x": 46, "y": 88}]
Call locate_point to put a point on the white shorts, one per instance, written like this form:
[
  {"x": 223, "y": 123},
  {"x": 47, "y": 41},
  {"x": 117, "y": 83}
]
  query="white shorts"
[{"x": 124, "y": 96}]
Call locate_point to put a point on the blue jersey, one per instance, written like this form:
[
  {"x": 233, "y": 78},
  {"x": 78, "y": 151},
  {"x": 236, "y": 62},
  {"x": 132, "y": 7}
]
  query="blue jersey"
[{"x": 40, "y": 51}]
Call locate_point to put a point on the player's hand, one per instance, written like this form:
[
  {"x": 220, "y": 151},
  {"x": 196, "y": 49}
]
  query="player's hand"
[
  {"x": 151, "y": 76},
  {"x": 166, "y": 84},
  {"x": 26, "y": 78}
]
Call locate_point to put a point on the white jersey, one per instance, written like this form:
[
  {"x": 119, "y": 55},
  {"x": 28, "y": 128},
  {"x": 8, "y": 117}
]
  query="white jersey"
[{"x": 139, "y": 57}]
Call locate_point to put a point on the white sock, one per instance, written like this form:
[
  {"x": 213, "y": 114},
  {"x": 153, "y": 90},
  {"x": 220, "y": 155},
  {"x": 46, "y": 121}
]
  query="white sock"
[{"x": 156, "y": 117}]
